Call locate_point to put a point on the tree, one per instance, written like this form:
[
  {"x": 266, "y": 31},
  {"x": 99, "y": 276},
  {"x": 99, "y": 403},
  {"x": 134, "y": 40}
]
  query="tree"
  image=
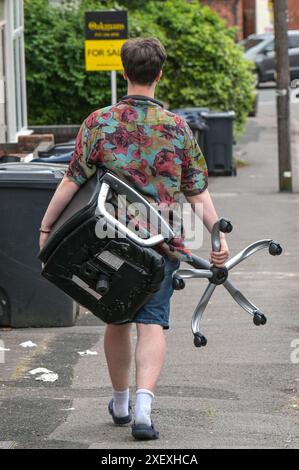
[{"x": 209, "y": 68}]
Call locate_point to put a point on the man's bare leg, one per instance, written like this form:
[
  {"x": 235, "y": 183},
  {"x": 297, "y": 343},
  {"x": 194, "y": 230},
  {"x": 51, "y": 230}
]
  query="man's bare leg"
[
  {"x": 118, "y": 351},
  {"x": 149, "y": 358},
  {"x": 149, "y": 355}
]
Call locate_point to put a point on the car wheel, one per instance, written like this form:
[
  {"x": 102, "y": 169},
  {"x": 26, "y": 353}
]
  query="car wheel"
[{"x": 256, "y": 78}]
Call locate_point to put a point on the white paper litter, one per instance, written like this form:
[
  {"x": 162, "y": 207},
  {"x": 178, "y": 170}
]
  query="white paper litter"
[
  {"x": 48, "y": 377},
  {"x": 40, "y": 370},
  {"x": 46, "y": 374},
  {"x": 87, "y": 352},
  {"x": 28, "y": 344},
  {"x": 4, "y": 349}
]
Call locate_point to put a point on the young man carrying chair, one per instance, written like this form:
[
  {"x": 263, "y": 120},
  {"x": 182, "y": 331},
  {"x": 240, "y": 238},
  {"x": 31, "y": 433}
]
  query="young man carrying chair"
[{"x": 155, "y": 151}]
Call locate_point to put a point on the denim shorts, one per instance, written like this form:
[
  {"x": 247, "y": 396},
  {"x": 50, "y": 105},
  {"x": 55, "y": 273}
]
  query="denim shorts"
[{"x": 156, "y": 310}]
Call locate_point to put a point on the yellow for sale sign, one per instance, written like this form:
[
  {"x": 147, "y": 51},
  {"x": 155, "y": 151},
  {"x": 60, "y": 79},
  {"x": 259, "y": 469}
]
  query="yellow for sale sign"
[
  {"x": 105, "y": 33},
  {"x": 103, "y": 54}
]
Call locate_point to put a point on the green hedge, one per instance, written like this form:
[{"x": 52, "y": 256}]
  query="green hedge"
[{"x": 204, "y": 66}]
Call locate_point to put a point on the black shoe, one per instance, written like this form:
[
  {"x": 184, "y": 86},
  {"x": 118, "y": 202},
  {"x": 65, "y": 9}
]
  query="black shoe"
[
  {"x": 125, "y": 419},
  {"x": 144, "y": 432}
]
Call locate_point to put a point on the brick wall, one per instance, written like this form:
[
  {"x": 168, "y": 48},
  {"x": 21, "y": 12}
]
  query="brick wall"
[
  {"x": 241, "y": 13},
  {"x": 293, "y": 14},
  {"x": 248, "y": 17},
  {"x": 230, "y": 10}
]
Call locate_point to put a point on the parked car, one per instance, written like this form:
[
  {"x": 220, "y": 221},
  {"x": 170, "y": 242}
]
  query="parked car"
[{"x": 260, "y": 48}]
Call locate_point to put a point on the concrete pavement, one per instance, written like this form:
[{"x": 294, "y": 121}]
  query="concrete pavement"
[{"x": 240, "y": 391}]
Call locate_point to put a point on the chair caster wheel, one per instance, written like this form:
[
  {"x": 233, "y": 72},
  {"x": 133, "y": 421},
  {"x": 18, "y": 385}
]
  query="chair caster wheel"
[
  {"x": 259, "y": 319},
  {"x": 199, "y": 340},
  {"x": 225, "y": 225},
  {"x": 178, "y": 284},
  {"x": 275, "y": 249}
]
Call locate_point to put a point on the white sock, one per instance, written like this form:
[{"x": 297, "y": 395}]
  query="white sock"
[
  {"x": 120, "y": 403},
  {"x": 143, "y": 406}
]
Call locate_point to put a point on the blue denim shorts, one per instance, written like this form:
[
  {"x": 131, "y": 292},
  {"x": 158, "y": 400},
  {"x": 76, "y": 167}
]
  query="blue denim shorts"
[{"x": 156, "y": 310}]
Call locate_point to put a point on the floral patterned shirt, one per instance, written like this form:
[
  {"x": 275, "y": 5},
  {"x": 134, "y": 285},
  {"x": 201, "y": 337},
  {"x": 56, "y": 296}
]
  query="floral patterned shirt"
[{"x": 150, "y": 147}]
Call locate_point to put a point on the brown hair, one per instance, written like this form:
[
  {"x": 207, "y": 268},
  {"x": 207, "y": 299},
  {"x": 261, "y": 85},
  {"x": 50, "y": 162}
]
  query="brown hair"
[{"x": 143, "y": 58}]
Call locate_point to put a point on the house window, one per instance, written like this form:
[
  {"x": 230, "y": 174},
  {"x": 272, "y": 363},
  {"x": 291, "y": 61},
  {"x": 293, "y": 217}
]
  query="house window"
[
  {"x": 3, "y": 116},
  {"x": 19, "y": 64},
  {"x": 15, "y": 69}
]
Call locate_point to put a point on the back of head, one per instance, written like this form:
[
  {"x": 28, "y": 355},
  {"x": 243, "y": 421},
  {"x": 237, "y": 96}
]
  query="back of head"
[{"x": 143, "y": 59}]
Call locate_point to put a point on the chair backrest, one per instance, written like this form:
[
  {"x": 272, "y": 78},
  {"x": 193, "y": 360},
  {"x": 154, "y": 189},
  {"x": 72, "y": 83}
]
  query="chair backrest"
[{"x": 111, "y": 275}]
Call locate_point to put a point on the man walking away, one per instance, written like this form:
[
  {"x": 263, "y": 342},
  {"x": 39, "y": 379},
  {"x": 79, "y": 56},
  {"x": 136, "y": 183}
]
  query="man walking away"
[{"x": 155, "y": 151}]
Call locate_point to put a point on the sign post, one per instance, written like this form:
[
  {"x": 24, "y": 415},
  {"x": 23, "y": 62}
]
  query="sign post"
[
  {"x": 113, "y": 87},
  {"x": 105, "y": 33},
  {"x": 283, "y": 94}
]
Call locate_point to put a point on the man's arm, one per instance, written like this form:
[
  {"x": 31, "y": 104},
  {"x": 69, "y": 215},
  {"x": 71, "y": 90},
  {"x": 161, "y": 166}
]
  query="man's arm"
[
  {"x": 78, "y": 172},
  {"x": 209, "y": 217},
  {"x": 61, "y": 198}
]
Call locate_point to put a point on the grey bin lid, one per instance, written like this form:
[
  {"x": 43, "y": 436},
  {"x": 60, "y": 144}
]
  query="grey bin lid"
[
  {"x": 190, "y": 110},
  {"x": 219, "y": 115},
  {"x": 31, "y": 175}
]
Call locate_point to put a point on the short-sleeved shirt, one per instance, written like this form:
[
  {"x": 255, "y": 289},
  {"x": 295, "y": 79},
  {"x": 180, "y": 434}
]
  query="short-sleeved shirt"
[{"x": 153, "y": 149}]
